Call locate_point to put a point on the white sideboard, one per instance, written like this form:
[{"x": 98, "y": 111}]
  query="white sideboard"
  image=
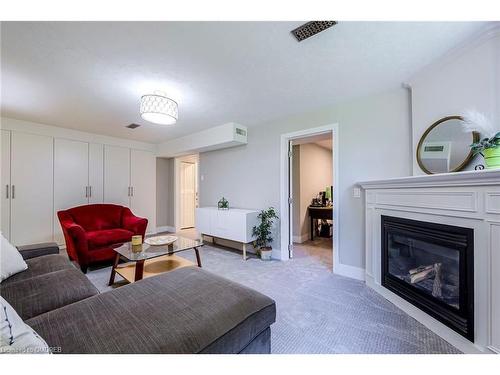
[
  {"x": 234, "y": 224},
  {"x": 464, "y": 199}
]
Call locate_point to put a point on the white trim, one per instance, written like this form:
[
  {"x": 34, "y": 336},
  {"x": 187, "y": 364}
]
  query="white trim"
[
  {"x": 165, "y": 228},
  {"x": 177, "y": 188},
  {"x": 349, "y": 271},
  {"x": 467, "y": 178},
  {"x": 29, "y": 127},
  {"x": 301, "y": 238},
  {"x": 491, "y": 30},
  {"x": 284, "y": 211}
]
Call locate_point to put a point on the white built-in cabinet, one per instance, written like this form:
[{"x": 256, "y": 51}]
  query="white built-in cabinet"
[
  {"x": 27, "y": 203},
  {"x": 78, "y": 176},
  {"x": 5, "y": 181},
  {"x": 143, "y": 186},
  {"x": 41, "y": 175},
  {"x": 130, "y": 180}
]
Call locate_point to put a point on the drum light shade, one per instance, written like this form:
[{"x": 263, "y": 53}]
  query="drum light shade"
[{"x": 159, "y": 109}]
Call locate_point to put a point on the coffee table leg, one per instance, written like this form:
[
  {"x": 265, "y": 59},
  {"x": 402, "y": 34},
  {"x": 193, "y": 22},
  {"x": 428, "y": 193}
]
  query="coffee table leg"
[
  {"x": 139, "y": 270},
  {"x": 113, "y": 269},
  {"x": 198, "y": 259}
]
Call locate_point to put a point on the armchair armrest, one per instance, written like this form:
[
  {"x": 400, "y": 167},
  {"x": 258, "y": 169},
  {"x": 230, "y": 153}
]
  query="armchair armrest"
[
  {"x": 37, "y": 250},
  {"x": 133, "y": 223}
]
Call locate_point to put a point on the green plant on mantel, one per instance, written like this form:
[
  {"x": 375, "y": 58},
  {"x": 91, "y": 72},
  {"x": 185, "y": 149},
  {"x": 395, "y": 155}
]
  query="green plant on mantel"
[
  {"x": 486, "y": 143},
  {"x": 479, "y": 123},
  {"x": 489, "y": 143},
  {"x": 262, "y": 231}
]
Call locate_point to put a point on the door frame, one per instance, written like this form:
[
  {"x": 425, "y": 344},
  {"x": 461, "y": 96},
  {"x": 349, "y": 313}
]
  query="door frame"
[
  {"x": 285, "y": 212},
  {"x": 194, "y": 158}
]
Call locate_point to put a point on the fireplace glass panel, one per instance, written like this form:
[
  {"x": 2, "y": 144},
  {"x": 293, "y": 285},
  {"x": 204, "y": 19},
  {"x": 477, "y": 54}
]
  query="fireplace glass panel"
[{"x": 426, "y": 266}]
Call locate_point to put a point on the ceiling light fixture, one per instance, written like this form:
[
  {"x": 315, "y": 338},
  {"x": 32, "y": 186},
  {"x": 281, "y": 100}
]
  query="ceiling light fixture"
[{"x": 159, "y": 109}]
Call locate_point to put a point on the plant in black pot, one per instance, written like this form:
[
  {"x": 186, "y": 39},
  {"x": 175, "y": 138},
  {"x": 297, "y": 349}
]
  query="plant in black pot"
[{"x": 263, "y": 233}]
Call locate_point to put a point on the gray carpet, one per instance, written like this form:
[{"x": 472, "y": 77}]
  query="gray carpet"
[{"x": 317, "y": 311}]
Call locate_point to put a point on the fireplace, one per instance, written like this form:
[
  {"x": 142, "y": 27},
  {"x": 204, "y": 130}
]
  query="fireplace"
[{"x": 431, "y": 266}]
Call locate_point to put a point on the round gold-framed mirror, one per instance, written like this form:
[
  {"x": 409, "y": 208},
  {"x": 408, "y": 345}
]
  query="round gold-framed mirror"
[{"x": 444, "y": 146}]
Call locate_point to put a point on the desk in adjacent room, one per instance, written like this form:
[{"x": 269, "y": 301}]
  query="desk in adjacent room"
[{"x": 325, "y": 213}]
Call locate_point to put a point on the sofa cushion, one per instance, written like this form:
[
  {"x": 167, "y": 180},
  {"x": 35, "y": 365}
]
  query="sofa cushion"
[
  {"x": 97, "y": 216},
  {"x": 11, "y": 260},
  {"x": 37, "y": 295},
  {"x": 41, "y": 266},
  {"x": 103, "y": 238},
  {"x": 188, "y": 310}
]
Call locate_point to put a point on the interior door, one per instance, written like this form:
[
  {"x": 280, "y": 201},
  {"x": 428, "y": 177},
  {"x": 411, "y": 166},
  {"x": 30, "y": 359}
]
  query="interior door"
[
  {"x": 32, "y": 203},
  {"x": 5, "y": 187},
  {"x": 188, "y": 194},
  {"x": 143, "y": 185},
  {"x": 71, "y": 174},
  {"x": 96, "y": 173},
  {"x": 290, "y": 199},
  {"x": 117, "y": 175}
]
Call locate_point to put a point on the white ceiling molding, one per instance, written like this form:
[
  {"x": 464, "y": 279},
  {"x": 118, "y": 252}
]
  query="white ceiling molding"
[{"x": 489, "y": 31}]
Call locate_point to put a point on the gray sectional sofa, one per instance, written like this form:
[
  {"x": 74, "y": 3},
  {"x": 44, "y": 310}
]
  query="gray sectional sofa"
[{"x": 188, "y": 310}]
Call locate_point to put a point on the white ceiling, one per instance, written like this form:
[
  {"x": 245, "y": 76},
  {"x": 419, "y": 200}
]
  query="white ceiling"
[{"x": 90, "y": 76}]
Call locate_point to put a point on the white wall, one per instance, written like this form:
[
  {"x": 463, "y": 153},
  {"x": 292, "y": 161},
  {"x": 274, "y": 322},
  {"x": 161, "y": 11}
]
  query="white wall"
[
  {"x": 374, "y": 135},
  {"x": 314, "y": 174},
  {"x": 467, "y": 78}
]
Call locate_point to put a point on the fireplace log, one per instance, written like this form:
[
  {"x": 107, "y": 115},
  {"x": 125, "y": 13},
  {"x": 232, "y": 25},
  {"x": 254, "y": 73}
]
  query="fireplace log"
[
  {"x": 422, "y": 275},
  {"x": 437, "y": 287}
]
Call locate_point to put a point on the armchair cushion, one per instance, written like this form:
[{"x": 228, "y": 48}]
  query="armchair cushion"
[{"x": 107, "y": 237}]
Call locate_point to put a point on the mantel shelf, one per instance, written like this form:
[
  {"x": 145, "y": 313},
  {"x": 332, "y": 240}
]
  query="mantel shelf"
[{"x": 469, "y": 178}]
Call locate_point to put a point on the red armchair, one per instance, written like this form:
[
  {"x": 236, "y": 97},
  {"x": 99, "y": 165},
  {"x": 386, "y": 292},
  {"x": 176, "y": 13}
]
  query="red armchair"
[{"x": 90, "y": 231}]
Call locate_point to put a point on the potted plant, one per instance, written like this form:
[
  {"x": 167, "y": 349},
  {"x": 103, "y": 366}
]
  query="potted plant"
[
  {"x": 263, "y": 233},
  {"x": 489, "y": 144}
]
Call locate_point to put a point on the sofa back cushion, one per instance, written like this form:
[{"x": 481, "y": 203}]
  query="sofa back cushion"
[{"x": 97, "y": 216}]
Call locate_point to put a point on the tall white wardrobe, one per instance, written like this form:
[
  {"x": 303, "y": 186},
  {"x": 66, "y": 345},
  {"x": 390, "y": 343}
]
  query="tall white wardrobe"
[{"x": 42, "y": 174}]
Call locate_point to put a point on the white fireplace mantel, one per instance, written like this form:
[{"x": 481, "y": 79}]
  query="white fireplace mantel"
[{"x": 466, "y": 199}]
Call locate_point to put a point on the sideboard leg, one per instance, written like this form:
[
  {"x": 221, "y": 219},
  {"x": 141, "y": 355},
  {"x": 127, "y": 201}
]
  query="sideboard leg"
[{"x": 244, "y": 251}]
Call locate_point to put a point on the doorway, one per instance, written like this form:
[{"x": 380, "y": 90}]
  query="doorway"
[
  {"x": 186, "y": 191},
  {"x": 318, "y": 236}
]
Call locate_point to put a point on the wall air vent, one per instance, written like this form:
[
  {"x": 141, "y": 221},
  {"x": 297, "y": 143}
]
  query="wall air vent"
[
  {"x": 132, "y": 126},
  {"x": 309, "y": 29}
]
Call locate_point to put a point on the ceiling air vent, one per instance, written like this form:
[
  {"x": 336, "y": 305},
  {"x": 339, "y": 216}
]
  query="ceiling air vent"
[
  {"x": 132, "y": 126},
  {"x": 309, "y": 29}
]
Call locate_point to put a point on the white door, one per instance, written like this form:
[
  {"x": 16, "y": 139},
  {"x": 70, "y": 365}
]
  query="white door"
[
  {"x": 71, "y": 165},
  {"x": 117, "y": 175},
  {"x": 32, "y": 204},
  {"x": 143, "y": 184},
  {"x": 188, "y": 193},
  {"x": 5, "y": 183},
  {"x": 96, "y": 173}
]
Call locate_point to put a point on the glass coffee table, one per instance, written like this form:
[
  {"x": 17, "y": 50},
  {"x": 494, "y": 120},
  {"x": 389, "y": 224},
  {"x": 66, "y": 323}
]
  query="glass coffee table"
[{"x": 152, "y": 260}]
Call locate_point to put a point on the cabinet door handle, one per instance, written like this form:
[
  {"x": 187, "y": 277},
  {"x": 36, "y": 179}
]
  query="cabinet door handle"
[
  {"x": 128, "y": 191},
  {"x": 13, "y": 191},
  {"x": 7, "y": 191},
  {"x": 131, "y": 191},
  {"x": 90, "y": 191},
  {"x": 86, "y": 191}
]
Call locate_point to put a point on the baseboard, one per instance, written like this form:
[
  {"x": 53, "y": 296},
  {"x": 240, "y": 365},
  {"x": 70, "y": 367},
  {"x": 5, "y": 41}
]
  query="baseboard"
[
  {"x": 165, "y": 228},
  {"x": 349, "y": 271},
  {"x": 300, "y": 239},
  {"x": 461, "y": 343}
]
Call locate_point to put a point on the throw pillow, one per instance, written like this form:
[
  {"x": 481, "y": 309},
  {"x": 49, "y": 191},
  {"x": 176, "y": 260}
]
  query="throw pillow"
[
  {"x": 11, "y": 261},
  {"x": 16, "y": 336}
]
